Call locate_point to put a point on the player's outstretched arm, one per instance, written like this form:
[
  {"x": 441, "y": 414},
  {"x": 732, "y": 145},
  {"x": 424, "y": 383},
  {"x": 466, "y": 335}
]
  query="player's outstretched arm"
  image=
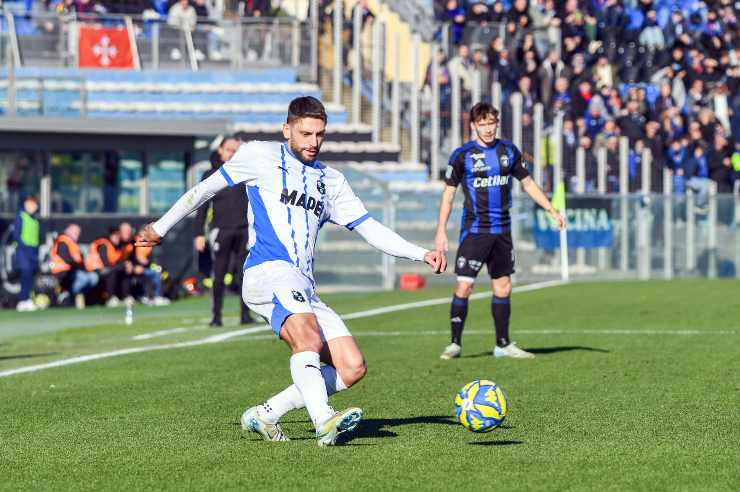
[
  {"x": 389, "y": 242},
  {"x": 152, "y": 234},
  {"x": 541, "y": 199}
]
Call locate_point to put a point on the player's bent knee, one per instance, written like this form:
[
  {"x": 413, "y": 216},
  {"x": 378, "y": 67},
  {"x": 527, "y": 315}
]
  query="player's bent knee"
[{"x": 351, "y": 374}]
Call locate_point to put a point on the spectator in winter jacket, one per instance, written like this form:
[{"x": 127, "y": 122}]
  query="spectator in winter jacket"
[{"x": 719, "y": 162}]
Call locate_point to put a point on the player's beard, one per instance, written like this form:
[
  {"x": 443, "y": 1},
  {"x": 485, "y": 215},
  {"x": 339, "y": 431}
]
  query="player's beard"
[{"x": 298, "y": 152}]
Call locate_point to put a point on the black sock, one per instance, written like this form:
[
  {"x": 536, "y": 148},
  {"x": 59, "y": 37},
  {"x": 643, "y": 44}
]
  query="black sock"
[
  {"x": 458, "y": 313},
  {"x": 501, "y": 310}
]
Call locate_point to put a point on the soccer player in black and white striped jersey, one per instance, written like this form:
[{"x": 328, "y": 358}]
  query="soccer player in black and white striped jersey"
[{"x": 484, "y": 168}]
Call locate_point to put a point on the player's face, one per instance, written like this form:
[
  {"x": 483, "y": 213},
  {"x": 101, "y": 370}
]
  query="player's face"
[
  {"x": 486, "y": 128},
  {"x": 305, "y": 136}
]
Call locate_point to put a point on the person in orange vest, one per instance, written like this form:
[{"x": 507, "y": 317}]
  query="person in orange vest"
[
  {"x": 68, "y": 266},
  {"x": 104, "y": 258},
  {"x": 138, "y": 269}
]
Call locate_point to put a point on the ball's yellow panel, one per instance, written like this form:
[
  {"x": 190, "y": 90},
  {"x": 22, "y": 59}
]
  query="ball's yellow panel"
[
  {"x": 473, "y": 390},
  {"x": 502, "y": 401},
  {"x": 475, "y": 423},
  {"x": 464, "y": 419},
  {"x": 491, "y": 395},
  {"x": 488, "y": 411}
]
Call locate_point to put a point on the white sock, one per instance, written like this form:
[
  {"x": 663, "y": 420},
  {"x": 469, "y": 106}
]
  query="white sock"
[
  {"x": 290, "y": 398},
  {"x": 277, "y": 406},
  {"x": 305, "y": 367}
]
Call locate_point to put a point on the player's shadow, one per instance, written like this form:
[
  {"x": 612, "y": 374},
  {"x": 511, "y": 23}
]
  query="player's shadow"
[
  {"x": 381, "y": 427},
  {"x": 546, "y": 350},
  {"x": 26, "y": 356},
  {"x": 565, "y": 348},
  {"x": 370, "y": 428},
  {"x": 496, "y": 443}
]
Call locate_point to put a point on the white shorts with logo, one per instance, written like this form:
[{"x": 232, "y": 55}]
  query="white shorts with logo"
[{"x": 277, "y": 289}]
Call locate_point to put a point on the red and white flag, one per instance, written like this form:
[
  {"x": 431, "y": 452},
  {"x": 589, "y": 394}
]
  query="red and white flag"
[{"x": 105, "y": 47}]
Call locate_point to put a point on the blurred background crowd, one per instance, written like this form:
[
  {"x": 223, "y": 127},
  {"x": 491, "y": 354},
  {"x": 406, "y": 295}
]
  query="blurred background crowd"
[{"x": 663, "y": 73}]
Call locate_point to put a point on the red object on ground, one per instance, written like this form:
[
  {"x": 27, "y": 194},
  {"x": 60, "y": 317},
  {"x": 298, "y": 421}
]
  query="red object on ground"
[
  {"x": 412, "y": 281},
  {"x": 105, "y": 47}
]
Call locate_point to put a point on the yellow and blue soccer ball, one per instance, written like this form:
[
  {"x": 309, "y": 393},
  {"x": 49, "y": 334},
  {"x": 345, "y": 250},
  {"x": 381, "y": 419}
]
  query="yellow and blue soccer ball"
[{"x": 481, "y": 406}]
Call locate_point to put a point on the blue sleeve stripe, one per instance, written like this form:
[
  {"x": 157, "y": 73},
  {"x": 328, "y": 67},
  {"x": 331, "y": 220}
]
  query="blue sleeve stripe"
[
  {"x": 226, "y": 176},
  {"x": 357, "y": 222}
]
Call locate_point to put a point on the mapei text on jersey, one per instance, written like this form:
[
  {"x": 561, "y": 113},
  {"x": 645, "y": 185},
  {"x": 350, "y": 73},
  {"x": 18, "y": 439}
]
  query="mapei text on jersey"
[{"x": 303, "y": 201}]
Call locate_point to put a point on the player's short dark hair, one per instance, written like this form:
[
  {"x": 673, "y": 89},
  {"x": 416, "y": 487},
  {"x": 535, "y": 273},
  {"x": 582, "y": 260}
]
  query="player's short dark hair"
[
  {"x": 482, "y": 110},
  {"x": 306, "y": 107}
]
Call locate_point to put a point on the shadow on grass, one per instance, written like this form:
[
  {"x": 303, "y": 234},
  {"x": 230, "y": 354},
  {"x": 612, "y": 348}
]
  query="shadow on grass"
[
  {"x": 26, "y": 356},
  {"x": 369, "y": 428},
  {"x": 380, "y": 427},
  {"x": 566, "y": 348},
  {"x": 259, "y": 439},
  {"x": 496, "y": 443},
  {"x": 545, "y": 350}
]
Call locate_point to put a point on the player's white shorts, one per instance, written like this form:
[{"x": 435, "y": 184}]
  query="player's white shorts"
[{"x": 276, "y": 289}]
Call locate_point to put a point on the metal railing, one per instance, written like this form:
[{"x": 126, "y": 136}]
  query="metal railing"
[{"x": 50, "y": 40}]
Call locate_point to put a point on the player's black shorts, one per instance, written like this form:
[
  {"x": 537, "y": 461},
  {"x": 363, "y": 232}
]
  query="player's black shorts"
[{"x": 493, "y": 250}]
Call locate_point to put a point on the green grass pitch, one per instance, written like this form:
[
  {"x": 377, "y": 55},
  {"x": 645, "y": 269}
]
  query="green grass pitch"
[{"x": 636, "y": 386}]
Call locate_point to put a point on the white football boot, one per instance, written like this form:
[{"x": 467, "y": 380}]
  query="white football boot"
[
  {"x": 160, "y": 301},
  {"x": 344, "y": 421},
  {"x": 452, "y": 351},
  {"x": 26, "y": 306},
  {"x": 252, "y": 421},
  {"x": 512, "y": 351}
]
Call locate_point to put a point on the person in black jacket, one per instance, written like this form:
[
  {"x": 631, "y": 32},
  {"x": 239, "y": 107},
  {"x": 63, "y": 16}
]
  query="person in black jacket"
[{"x": 229, "y": 230}]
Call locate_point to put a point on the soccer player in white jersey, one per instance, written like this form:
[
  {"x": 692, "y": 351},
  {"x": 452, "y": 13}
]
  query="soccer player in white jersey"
[{"x": 292, "y": 195}]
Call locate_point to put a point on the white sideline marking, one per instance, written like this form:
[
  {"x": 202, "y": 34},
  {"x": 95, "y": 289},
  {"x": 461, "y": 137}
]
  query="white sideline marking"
[
  {"x": 445, "y": 300},
  {"x": 116, "y": 353},
  {"x": 246, "y": 331},
  {"x": 160, "y": 333},
  {"x": 545, "y": 332},
  {"x": 411, "y": 333},
  {"x": 402, "y": 307}
]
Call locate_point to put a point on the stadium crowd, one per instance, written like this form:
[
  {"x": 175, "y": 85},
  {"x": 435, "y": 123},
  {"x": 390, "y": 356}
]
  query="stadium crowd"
[{"x": 663, "y": 73}]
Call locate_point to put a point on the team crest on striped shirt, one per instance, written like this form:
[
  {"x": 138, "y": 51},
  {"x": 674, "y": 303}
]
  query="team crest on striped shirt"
[{"x": 504, "y": 159}]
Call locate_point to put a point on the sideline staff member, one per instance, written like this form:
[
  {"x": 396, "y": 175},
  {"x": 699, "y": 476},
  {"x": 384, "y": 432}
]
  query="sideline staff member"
[{"x": 229, "y": 231}]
